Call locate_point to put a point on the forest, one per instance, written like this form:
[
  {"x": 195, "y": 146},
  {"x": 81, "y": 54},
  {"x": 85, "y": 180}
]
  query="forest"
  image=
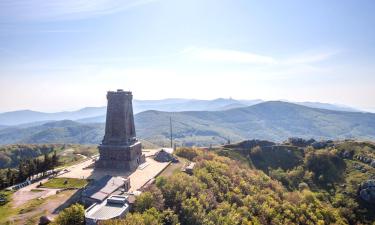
[{"x": 227, "y": 191}]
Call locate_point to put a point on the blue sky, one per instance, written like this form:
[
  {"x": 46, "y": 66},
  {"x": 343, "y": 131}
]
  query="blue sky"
[{"x": 64, "y": 55}]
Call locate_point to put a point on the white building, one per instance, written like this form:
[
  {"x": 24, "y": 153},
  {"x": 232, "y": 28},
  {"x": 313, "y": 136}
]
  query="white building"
[{"x": 115, "y": 207}]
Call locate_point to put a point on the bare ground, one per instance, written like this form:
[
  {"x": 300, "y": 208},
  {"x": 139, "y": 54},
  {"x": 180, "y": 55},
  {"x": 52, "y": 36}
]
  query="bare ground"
[{"x": 50, "y": 206}]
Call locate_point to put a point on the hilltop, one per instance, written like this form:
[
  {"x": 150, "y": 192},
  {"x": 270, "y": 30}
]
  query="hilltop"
[
  {"x": 274, "y": 121},
  {"x": 89, "y": 114}
]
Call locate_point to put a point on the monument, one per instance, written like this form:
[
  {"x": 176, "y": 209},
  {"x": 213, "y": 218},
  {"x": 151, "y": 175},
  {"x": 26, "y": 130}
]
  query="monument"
[{"x": 120, "y": 148}]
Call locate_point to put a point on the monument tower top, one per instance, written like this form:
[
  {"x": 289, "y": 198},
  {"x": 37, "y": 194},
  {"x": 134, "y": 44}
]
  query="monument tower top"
[{"x": 120, "y": 128}]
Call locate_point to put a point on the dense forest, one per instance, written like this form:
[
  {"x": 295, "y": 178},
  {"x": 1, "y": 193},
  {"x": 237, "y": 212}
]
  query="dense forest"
[{"x": 227, "y": 191}]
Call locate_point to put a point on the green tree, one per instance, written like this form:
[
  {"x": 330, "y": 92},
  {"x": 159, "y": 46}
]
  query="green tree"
[
  {"x": 144, "y": 202},
  {"x": 55, "y": 159},
  {"x": 151, "y": 198},
  {"x": 169, "y": 217},
  {"x": 192, "y": 212},
  {"x": 326, "y": 166},
  {"x": 75, "y": 214}
]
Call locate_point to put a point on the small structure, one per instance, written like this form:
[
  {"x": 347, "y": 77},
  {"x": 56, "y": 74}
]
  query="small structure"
[
  {"x": 19, "y": 186},
  {"x": 165, "y": 155},
  {"x": 44, "y": 220},
  {"x": 103, "y": 188},
  {"x": 189, "y": 168},
  {"x": 115, "y": 207}
]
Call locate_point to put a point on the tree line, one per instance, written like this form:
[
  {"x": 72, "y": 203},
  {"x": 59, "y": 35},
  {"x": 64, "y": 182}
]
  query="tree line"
[{"x": 27, "y": 168}]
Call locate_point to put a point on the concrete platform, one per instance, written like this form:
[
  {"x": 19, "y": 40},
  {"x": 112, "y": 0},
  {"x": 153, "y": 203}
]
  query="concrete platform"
[{"x": 138, "y": 178}]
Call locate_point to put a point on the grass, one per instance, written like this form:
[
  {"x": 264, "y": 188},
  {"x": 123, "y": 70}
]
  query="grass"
[
  {"x": 30, "y": 212},
  {"x": 31, "y": 205},
  {"x": 34, "y": 219},
  {"x": 6, "y": 210},
  {"x": 65, "y": 183}
]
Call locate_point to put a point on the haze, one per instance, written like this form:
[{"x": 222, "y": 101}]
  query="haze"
[{"x": 64, "y": 55}]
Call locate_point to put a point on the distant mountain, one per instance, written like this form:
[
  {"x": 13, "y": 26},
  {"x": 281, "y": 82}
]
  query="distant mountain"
[
  {"x": 269, "y": 120},
  {"x": 96, "y": 114},
  {"x": 180, "y": 105},
  {"x": 172, "y": 105},
  {"x": 28, "y": 116},
  {"x": 64, "y": 131},
  {"x": 320, "y": 105}
]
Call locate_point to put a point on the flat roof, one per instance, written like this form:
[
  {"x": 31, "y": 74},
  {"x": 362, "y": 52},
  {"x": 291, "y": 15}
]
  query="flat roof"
[
  {"x": 106, "y": 210},
  {"x": 103, "y": 187}
]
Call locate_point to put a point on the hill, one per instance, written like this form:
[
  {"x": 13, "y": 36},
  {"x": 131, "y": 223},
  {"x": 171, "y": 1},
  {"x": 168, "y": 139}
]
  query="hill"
[
  {"x": 64, "y": 131},
  {"x": 270, "y": 120},
  {"x": 336, "y": 170},
  {"x": 29, "y": 116},
  {"x": 320, "y": 105},
  {"x": 173, "y": 105},
  {"x": 225, "y": 191},
  {"x": 90, "y": 114},
  {"x": 274, "y": 121}
]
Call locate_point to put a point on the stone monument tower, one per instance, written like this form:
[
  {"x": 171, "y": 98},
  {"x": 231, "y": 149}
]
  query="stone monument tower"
[{"x": 120, "y": 148}]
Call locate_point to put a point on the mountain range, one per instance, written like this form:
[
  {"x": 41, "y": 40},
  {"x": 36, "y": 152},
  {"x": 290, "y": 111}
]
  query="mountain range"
[
  {"x": 273, "y": 120},
  {"x": 88, "y": 114}
]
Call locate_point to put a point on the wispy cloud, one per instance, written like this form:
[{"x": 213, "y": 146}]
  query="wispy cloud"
[
  {"x": 243, "y": 57},
  {"x": 310, "y": 57},
  {"x": 224, "y": 55},
  {"x": 39, "y": 10}
]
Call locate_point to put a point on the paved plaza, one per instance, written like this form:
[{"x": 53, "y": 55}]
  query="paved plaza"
[{"x": 145, "y": 172}]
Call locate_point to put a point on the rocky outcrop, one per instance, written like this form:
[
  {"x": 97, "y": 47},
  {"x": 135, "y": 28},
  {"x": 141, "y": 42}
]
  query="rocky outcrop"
[
  {"x": 365, "y": 159},
  {"x": 366, "y": 191}
]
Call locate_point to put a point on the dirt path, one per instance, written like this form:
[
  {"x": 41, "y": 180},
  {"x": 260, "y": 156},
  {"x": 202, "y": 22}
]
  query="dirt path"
[
  {"x": 50, "y": 206},
  {"x": 29, "y": 192}
]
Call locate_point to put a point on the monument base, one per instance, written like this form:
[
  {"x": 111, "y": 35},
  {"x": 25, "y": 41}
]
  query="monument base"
[{"x": 120, "y": 157}]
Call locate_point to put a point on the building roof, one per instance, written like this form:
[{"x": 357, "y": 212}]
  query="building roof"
[
  {"x": 112, "y": 207},
  {"x": 163, "y": 156},
  {"x": 169, "y": 150},
  {"x": 103, "y": 187},
  {"x": 190, "y": 166}
]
